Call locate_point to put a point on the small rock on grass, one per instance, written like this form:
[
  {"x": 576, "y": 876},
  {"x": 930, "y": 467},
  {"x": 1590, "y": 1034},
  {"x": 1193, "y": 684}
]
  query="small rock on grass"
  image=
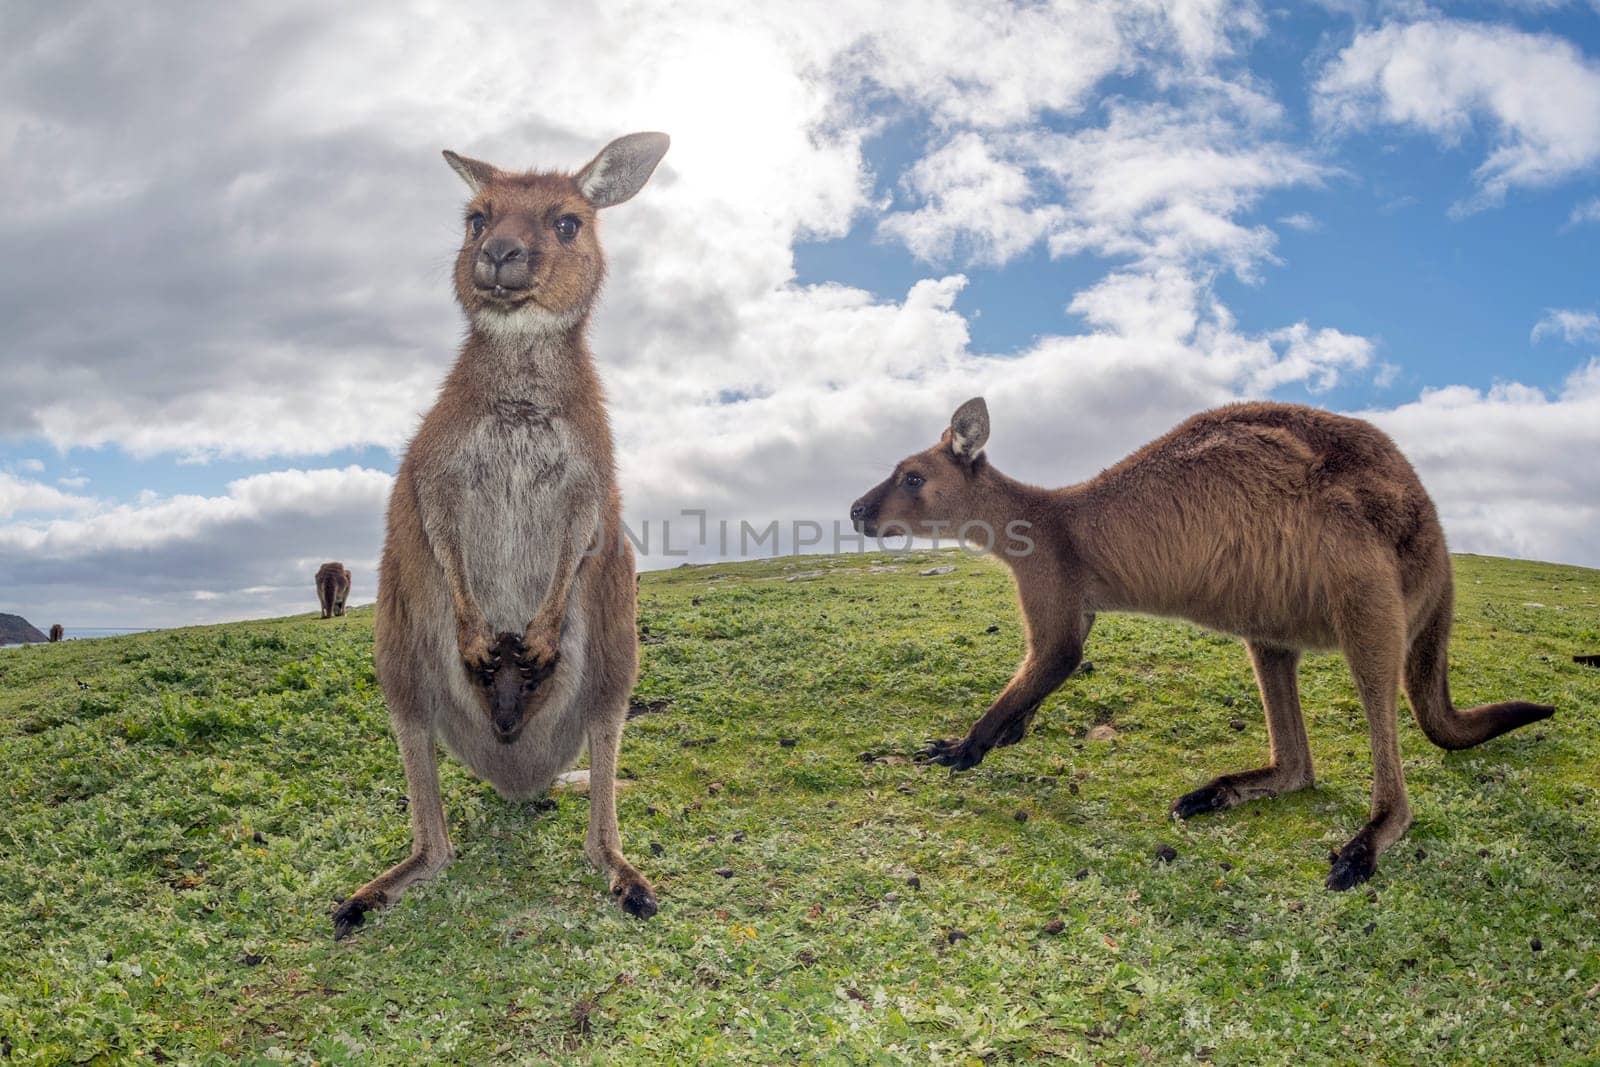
[
  {"x": 914, "y": 882},
  {"x": 1536, "y": 945},
  {"x": 1165, "y": 853},
  {"x": 1054, "y": 927},
  {"x": 1236, "y": 725},
  {"x": 1020, "y": 815},
  {"x": 1103, "y": 732}
]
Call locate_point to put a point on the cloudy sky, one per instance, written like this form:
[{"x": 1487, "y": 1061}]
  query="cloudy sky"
[{"x": 225, "y": 234}]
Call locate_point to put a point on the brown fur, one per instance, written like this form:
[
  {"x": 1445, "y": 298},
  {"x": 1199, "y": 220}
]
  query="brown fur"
[
  {"x": 1291, "y": 527},
  {"x": 333, "y": 588},
  {"x": 56, "y": 632},
  {"x": 506, "y": 608}
]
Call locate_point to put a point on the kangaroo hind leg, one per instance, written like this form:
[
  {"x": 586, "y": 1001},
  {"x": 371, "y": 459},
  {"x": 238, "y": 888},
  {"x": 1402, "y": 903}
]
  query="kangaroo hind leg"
[
  {"x": 1372, "y": 636},
  {"x": 430, "y": 838},
  {"x": 1290, "y": 768}
]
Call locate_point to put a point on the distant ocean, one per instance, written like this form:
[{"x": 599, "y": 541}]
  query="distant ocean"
[{"x": 99, "y": 631}]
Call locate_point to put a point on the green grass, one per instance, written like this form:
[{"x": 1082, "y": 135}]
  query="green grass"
[{"x": 180, "y": 810}]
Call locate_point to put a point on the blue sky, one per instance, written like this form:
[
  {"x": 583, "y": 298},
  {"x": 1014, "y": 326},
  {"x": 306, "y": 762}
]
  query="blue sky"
[{"x": 866, "y": 216}]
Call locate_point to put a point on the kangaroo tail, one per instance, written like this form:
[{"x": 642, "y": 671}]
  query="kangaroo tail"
[{"x": 1428, "y": 688}]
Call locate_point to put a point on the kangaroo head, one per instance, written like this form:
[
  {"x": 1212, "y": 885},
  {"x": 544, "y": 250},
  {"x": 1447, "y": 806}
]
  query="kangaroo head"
[
  {"x": 931, "y": 493},
  {"x": 530, "y": 258},
  {"x": 506, "y": 688}
]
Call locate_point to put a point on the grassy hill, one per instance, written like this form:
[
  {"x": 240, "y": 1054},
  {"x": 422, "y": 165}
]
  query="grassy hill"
[{"x": 179, "y": 811}]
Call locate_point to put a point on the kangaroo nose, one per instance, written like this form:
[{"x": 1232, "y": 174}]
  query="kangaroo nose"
[
  {"x": 504, "y": 262},
  {"x": 858, "y": 511},
  {"x": 502, "y": 249}
]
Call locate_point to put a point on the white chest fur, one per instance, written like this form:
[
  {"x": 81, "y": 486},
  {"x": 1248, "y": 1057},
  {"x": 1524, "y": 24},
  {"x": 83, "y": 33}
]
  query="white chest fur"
[{"x": 523, "y": 491}]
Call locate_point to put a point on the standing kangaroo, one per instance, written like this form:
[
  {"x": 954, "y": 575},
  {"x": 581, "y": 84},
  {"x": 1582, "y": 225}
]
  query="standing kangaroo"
[
  {"x": 1290, "y": 527},
  {"x": 333, "y": 588},
  {"x": 504, "y": 533}
]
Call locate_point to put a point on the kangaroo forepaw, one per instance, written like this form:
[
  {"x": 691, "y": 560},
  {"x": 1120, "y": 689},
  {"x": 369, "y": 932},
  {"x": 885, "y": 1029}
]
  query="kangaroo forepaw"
[
  {"x": 479, "y": 654},
  {"x": 636, "y": 897},
  {"x": 349, "y": 915},
  {"x": 1202, "y": 801},
  {"x": 539, "y": 655},
  {"x": 1354, "y": 864},
  {"x": 957, "y": 755}
]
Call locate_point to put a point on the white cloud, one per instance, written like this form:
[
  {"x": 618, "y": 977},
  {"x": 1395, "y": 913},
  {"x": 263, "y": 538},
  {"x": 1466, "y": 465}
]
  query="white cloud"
[
  {"x": 1301, "y": 221},
  {"x": 1156, "y": 183},
  {"x": 1570, "y": 326},
  {"x": 972, "y": 200},
  {"x": 1163, "y": 185},
  {"x": 1588, "y": 211},
  {"x": 19, "y": 495},
  {"x": 1537, "y": 92}
]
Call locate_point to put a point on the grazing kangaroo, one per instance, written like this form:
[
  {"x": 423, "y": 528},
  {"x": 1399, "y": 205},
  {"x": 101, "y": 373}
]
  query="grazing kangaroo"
[
  {"x": 333, "y": 588},
  {"x": 56, "y": 632},
  {"x": 1291, "y": 527},
  {"x": 506, "y": 611}
]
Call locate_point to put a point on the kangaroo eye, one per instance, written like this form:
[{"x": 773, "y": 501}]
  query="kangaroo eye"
[
  {"x": 914, "y": 481},
  {"x": 567, "y": 227},
  {"x": 476, "y": 222}
]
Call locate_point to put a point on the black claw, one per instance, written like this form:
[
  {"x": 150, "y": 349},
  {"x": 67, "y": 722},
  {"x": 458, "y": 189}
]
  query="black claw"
[
  {"x": 1354, "y": 865},
  {"x": 534, "y": 672},
  {"x": 957, "y": 755},
  {"x": 1201, "y": 801},
  {"x": 349, "y": 915},
  {"x": 639, "y": 902}
]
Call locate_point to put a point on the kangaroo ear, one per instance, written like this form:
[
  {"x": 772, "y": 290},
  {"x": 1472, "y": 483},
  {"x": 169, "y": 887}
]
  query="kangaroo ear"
[
  {"x": 622, "y": 168},
  {"x": 969, "y": 429},
  {"x": 474, "y": 172}
]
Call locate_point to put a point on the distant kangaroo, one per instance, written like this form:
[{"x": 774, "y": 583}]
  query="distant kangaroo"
[
  {"x": 333, "y": 588},
  {"x": 506, "y": 607},
  {"x": 1291, "y": 527},
  {"x": 56, "y": 632}
]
